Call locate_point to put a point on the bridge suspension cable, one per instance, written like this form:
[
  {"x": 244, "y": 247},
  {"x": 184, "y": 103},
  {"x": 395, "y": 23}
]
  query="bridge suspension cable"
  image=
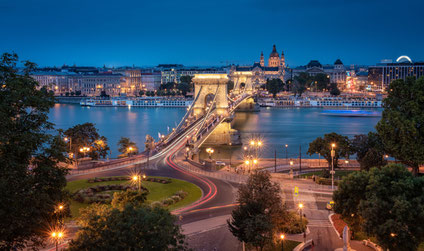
[
  {"x": 177, "y": 129},
  {"x": 209, "y": 111}
]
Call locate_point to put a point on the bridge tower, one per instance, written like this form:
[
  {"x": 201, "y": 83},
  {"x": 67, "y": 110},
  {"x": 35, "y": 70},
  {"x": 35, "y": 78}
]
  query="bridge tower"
[
  {"x": 210, "y": 86},
  {"x": 242, "y": 77}
]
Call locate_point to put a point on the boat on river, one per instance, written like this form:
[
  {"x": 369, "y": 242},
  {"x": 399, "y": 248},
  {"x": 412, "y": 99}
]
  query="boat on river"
[
  {"x": 352, "y": 113},
  {"x": 138, "y": 102}
]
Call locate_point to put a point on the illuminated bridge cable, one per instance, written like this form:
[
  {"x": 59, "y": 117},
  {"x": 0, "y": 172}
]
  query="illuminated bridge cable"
[
  {"x": 207, "y": 114},
  {"x": 178, "y": 128}
]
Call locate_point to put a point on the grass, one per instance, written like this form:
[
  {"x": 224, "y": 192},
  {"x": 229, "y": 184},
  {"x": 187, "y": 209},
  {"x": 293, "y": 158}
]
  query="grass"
[
  {"x": 288, "y": 245},
  {"x": 338, "y": 174},
  {"x": 157, "y": 192}
]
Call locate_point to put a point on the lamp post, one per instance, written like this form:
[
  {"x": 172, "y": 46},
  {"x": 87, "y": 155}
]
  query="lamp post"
[
  {"x": 210, "y": 151},
  {"x": 57, "y": 235},
  {"x": 286, "y": 153},
  {"x": 187, "y": 150},
  {"x": 300, "y": 212},
  {"x": 282, "y": 236},
  {"x": 59, "y": 211},
  {"x": 137, "y": 179},
  {"x": 130, "y": 149},
  {"x": 333, "y": 154}
]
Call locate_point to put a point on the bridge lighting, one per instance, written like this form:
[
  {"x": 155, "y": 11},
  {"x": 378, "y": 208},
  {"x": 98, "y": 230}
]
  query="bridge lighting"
[
  {"x": 210, "y": 151},
  {"x": 252, "y": 142},
  {"x": 259, "y": 143}
]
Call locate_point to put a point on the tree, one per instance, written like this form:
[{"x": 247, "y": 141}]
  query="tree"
[
  {"x": 260, "y": 213},
  {"x": 334, "y": 90},
  {"x": 142, "y": 93},
  {"x": 300, "y": 83},
  {"x": 123, "y": 198},
  {"x": 31, "y": 180},
  {"x": 189, "y": 81},
  {"x": 133, "y": 228},
  {"x": 323, "y": 147},
  {"x": 127, "y": 147},
  {"x": 184, "y": 88},
  {"x": 401, "y": 127},
  {"x": 86, "y": 135},
  {"x": 167, "y": 86},
  {"x": 274, "y": 86},
  {"x": 321, "y": 81},
  {"x": 388, "y": 203},
  {"x": 369, "y": 150}
]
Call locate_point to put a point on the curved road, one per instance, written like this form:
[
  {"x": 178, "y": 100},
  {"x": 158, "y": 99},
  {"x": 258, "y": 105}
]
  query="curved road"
[{"x": 218, "y": 196}]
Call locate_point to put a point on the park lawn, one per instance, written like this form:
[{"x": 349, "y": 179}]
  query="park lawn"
[
  {"x": 157, "y": 192},
  {"x": 338, "y": 174},
  {"x": 289, "y": 245}
]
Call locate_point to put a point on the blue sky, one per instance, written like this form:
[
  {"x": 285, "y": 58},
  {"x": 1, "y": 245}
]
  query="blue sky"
[{"x": 198, "y": 32}]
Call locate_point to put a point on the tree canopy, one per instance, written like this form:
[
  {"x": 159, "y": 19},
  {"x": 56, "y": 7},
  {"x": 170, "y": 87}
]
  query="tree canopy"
[
  {"x": 401, "y": 127},
  {"x": 369, "y": 150},
  {"x": 323, "y": 147},
  {"x": 127, "y": 147},
  {"x": 274, "y": 86},
  {"x": 86, "y": 135},
  {"x": 387, "y": 203},
  {"x": 127, "y": 225},
  {"x": 260, "y": 213},
  {"x": 31, "y": 180}
]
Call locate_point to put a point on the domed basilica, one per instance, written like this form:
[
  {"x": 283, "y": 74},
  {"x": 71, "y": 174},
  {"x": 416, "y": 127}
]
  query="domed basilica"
[{"x": 260, "y": 73}]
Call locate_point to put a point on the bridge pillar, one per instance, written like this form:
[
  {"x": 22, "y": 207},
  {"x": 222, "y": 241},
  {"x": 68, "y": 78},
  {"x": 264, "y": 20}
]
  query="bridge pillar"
[
  {"x": 224, "y": 135},
  {"x": 242, "y": 77},
  {"x": 207, "y": 87}
]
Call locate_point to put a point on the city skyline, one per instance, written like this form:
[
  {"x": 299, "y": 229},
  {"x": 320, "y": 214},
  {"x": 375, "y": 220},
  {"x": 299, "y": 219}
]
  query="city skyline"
[{"x": 198, "y": 33}]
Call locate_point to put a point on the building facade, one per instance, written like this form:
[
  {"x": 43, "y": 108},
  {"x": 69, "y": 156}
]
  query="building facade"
[
  {"x": 172, "y": 73},
  {"x": 336, "y": 72},
  {"x": 260, "y": 73},
  {"x": 381, "y": 75}
]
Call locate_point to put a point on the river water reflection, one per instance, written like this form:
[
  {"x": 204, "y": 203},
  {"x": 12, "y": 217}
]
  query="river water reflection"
[{"x": 277, "y": 127}]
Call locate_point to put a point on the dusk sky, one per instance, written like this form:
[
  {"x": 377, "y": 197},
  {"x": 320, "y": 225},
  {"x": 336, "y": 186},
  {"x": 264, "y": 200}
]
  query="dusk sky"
[{"x": 197, "y": 32}]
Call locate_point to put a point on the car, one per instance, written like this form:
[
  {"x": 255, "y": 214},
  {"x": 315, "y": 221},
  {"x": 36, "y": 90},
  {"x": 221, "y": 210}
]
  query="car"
[{"x": 220, "y": 163}]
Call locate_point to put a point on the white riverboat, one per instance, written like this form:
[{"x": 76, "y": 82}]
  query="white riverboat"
[{"x": 138, "y": 102}]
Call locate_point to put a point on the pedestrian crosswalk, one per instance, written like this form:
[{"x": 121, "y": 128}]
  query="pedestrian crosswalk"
[{"x": 319, "y": 223}]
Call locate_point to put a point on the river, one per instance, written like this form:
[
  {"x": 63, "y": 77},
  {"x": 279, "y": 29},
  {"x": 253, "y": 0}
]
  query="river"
[{"x": 275, "y": 126}]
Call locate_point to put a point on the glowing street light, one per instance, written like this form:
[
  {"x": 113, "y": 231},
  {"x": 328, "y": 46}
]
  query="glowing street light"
[
  {"x": 57, "y": 236},
  {"x": 136, "y": 179},
  {"x": 300, "y": 205},
  {"x": 210, "y": 151},
  {"x": 282, "y": 237},
  {"x": 333, "y": 154}
]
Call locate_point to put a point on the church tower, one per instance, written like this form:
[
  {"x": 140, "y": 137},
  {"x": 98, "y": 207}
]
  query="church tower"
[
  {"x": 262, "y": 59},
  {"x": 274, "y": 58},
  {"x": 283, "y": 60}
]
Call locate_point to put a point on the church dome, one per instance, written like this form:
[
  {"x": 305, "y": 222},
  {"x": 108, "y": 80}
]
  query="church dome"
[
  {"x": 274, "y": 52},
  {"x": 314, "y": 63},
  {"x": 338, "y": 61}
]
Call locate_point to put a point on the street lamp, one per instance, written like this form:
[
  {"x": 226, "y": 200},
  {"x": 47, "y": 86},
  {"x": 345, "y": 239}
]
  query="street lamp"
[
  {"x": 333, "y": 154},
  {"x": 286, "y": 152},
  {"x": 57, "y": 236},
  {"x": 136, "y": 179},
  {"x": 130, "y": 149},
  {"x": 300, "y": 212},
  {"x": 210, "y": 151},
  {"x": 59, "y": 211},
  {"x": 282, "y": 236}
]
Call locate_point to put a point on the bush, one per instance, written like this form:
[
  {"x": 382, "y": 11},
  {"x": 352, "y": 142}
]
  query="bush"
[
  {"x": 168, "y": 202},
  {"x": 156, "y": 204},
  {"x": 293, "y": 225},
  {"x": 175, "y": 198}
]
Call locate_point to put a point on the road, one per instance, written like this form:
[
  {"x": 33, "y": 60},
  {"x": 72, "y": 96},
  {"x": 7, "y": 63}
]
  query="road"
[{"x": 204, "y": 222}]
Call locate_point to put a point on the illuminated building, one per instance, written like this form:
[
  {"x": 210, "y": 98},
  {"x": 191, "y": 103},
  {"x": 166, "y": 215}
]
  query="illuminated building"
[
  {"x": 336, "y": 72},
  {"x": 172, "y": 73},
  {"x": 260, "y": 73},
  {"x": 381, "y": 75}
]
